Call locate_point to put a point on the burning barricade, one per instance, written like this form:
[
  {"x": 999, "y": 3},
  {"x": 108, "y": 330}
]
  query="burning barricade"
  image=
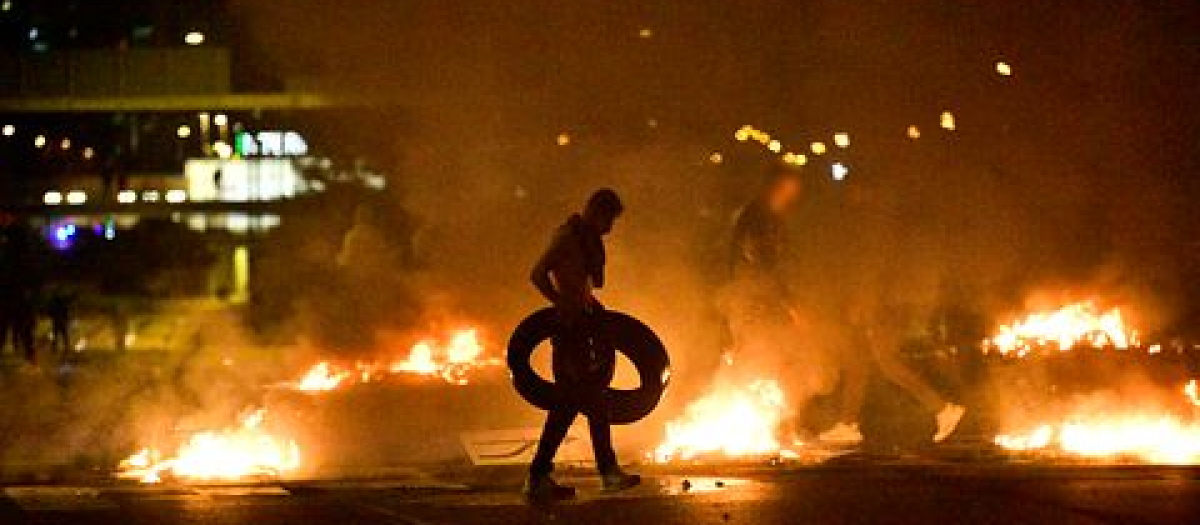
[{"x": 1076, "y": 382}]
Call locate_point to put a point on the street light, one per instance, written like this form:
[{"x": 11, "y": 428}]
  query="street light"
[{"x": 193, "y": 38}]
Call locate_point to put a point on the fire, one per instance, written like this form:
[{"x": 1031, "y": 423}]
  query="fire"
[
  {"x": 1145, "y": 437},
  {"x": 246, "y": 450},
  {"x": 453, "y": 362},
  {"x": 731, "y": 421},
  {"x": 321, "y": 377},
  {"x": 1071, "y": 325}
]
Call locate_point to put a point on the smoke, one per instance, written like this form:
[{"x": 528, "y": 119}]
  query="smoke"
[{"x": 1066, "y": 178}]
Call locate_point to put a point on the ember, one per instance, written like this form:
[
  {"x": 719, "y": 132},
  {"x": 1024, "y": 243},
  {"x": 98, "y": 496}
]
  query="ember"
[
  {"x": 245, "y": 451},
  {"x": 1071, "y": 325},
  {"x": 730, "y": 422}
]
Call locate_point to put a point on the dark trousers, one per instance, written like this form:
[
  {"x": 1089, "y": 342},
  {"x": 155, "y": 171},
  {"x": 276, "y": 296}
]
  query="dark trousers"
[{"x": 583, "y": 364}]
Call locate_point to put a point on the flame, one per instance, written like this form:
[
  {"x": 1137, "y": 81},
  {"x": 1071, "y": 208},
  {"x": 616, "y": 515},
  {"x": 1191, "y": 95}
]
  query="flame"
[
  {"x": 730, "y": 421},
  {"x": 452, "y": 362},
  {"x": 1079, "y": 323},
  {"x": 246, "y": 450},
  {"x": 321, "y": 377}
]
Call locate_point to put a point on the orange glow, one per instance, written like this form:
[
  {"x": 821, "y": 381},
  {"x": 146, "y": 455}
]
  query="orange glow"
[
  {"x": 244, "y": 451},
  {"x": 731, "y": 422},
  {"x": 1146, "y": 437},
  {"x": 452, "y": 361},
  {"x": 1066, "y": 327},
  {"x": 1192, "y": 391}
]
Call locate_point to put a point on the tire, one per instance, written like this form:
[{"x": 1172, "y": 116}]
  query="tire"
[{"x": 630, "y": 336}]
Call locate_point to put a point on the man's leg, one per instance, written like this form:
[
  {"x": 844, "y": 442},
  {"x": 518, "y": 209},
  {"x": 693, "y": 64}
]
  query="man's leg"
[
  {"x": 558, "y": 423},
  {"x": 897, "y": 371}
]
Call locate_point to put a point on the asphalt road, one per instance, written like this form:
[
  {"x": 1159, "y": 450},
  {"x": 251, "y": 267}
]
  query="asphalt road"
[{"x": 924, "y": 495}]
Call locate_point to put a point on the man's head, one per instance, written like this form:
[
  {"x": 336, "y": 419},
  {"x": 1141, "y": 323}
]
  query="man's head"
[
  {"x": 782, "y": 191},
  {"x": 602, "y": 210}
]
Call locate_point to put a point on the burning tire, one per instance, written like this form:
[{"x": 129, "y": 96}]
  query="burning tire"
[{"x": 630, "y": 336}]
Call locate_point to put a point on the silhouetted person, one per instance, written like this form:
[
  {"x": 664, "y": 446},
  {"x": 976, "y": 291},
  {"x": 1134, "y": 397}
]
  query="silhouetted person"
[
  {"x": 583, "y": 362},
  {"x": 18, "y": 289},
  {"x": 58, "y": 308}
]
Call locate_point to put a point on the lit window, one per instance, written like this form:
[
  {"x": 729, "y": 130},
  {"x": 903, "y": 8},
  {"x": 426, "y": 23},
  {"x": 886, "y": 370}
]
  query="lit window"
[
  {"x": 775, "y": 146},
  {"x": 39, "y": 141},
  {"x": 841, "y": 140},
  {"x": 646, "y": 32},
  {"x": 52, "y": 198},
  {"x": 1004, "y": 69},
  {"x": 6, "y": 5},
  {"x": 88, "y": 153},
  {"x": 914, "y": 132},
  {"x": 183, "y": 131},
  {"x": 176, "y": 196},
  {"x": 193, "y": 38},
  {"x": 127, "y": 197},
  {"x": 818, "y": 148},
  {"x": 76, "y": 197},
  {"x": 33, "y": 33},
  {"x": 716, "y": 158},
  {"x": 563, "y": 139},
  {"x": 221, "y": 119},
  {"x": 9, "y": 130},
  {"x": 150, "y": 196}
]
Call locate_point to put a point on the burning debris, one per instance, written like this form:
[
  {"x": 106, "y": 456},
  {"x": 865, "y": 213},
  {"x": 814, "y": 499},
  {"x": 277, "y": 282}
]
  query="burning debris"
[
  {"x": 1148, "y": 436},
  {"x": 249, "y": 450},
  {"x": 1124, "y": 424},
  {"x": 452, "y": 361},
  {"x": 1064, "y": 328},
  {"x": 732, "y": 421},
  {"x": 245, "y": 451}
]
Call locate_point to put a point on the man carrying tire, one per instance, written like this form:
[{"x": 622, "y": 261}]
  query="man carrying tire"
[{"x": 584, "y": 362}]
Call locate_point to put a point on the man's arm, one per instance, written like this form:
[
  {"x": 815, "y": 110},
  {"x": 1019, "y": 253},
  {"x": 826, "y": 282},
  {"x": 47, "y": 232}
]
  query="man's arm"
[{"x": 541, "y": 274}]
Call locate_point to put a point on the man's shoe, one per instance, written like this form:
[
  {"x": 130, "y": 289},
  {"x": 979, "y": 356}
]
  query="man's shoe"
[
  {"x": 947, "y": 421},
  {"x": 544, "y": 489},
  {"x": 842, "y": 434},
  {"x": 616, "y": 481}
]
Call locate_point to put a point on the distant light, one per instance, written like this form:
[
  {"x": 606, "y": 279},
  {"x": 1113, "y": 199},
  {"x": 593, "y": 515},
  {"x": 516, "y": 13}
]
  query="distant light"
[
  {"x": 795, "y": 159},
  {"x": 948, "y": 120},
  {"x": 1004, "y": 69},
  {"x": 76, "y": 197},
  {"x": 646, "y": 32},
  {"x": 818, "y": 148},
  {"x": 127, "y": 197},
  {"x": 52, "y": 198},
  {"x": 110, "y": 231},
  {"x": 6, "y": 5},
  {"x": 223, "y": 149},
  {"x": 39, "y": 141},
  {"x": 742, "y": 135},
  {"x": 33, "y": 33},
  {"x": 9, "y": 130},
  {"x": 716, "y": 158},
  {"x": 65, "y": 144},
  {"x": 176, "y": 196},
  {"x": 150, "y": 196},
  {"x": 183, "y": 131},
  {"x": 193, "y": 38},
  {"x": 652, "y": 123},
  {"x": 64, "y": 233},
  {"x": 842, "y": 140},
  {"x": 563, "y": 139},
  {"x": 221, "y": 119},
  {"x": 914, "y": 132},
  {"x": 775, "y": 146},
  {"x": 839, "y": 171},
  {"x": 88, "y": 153}
]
